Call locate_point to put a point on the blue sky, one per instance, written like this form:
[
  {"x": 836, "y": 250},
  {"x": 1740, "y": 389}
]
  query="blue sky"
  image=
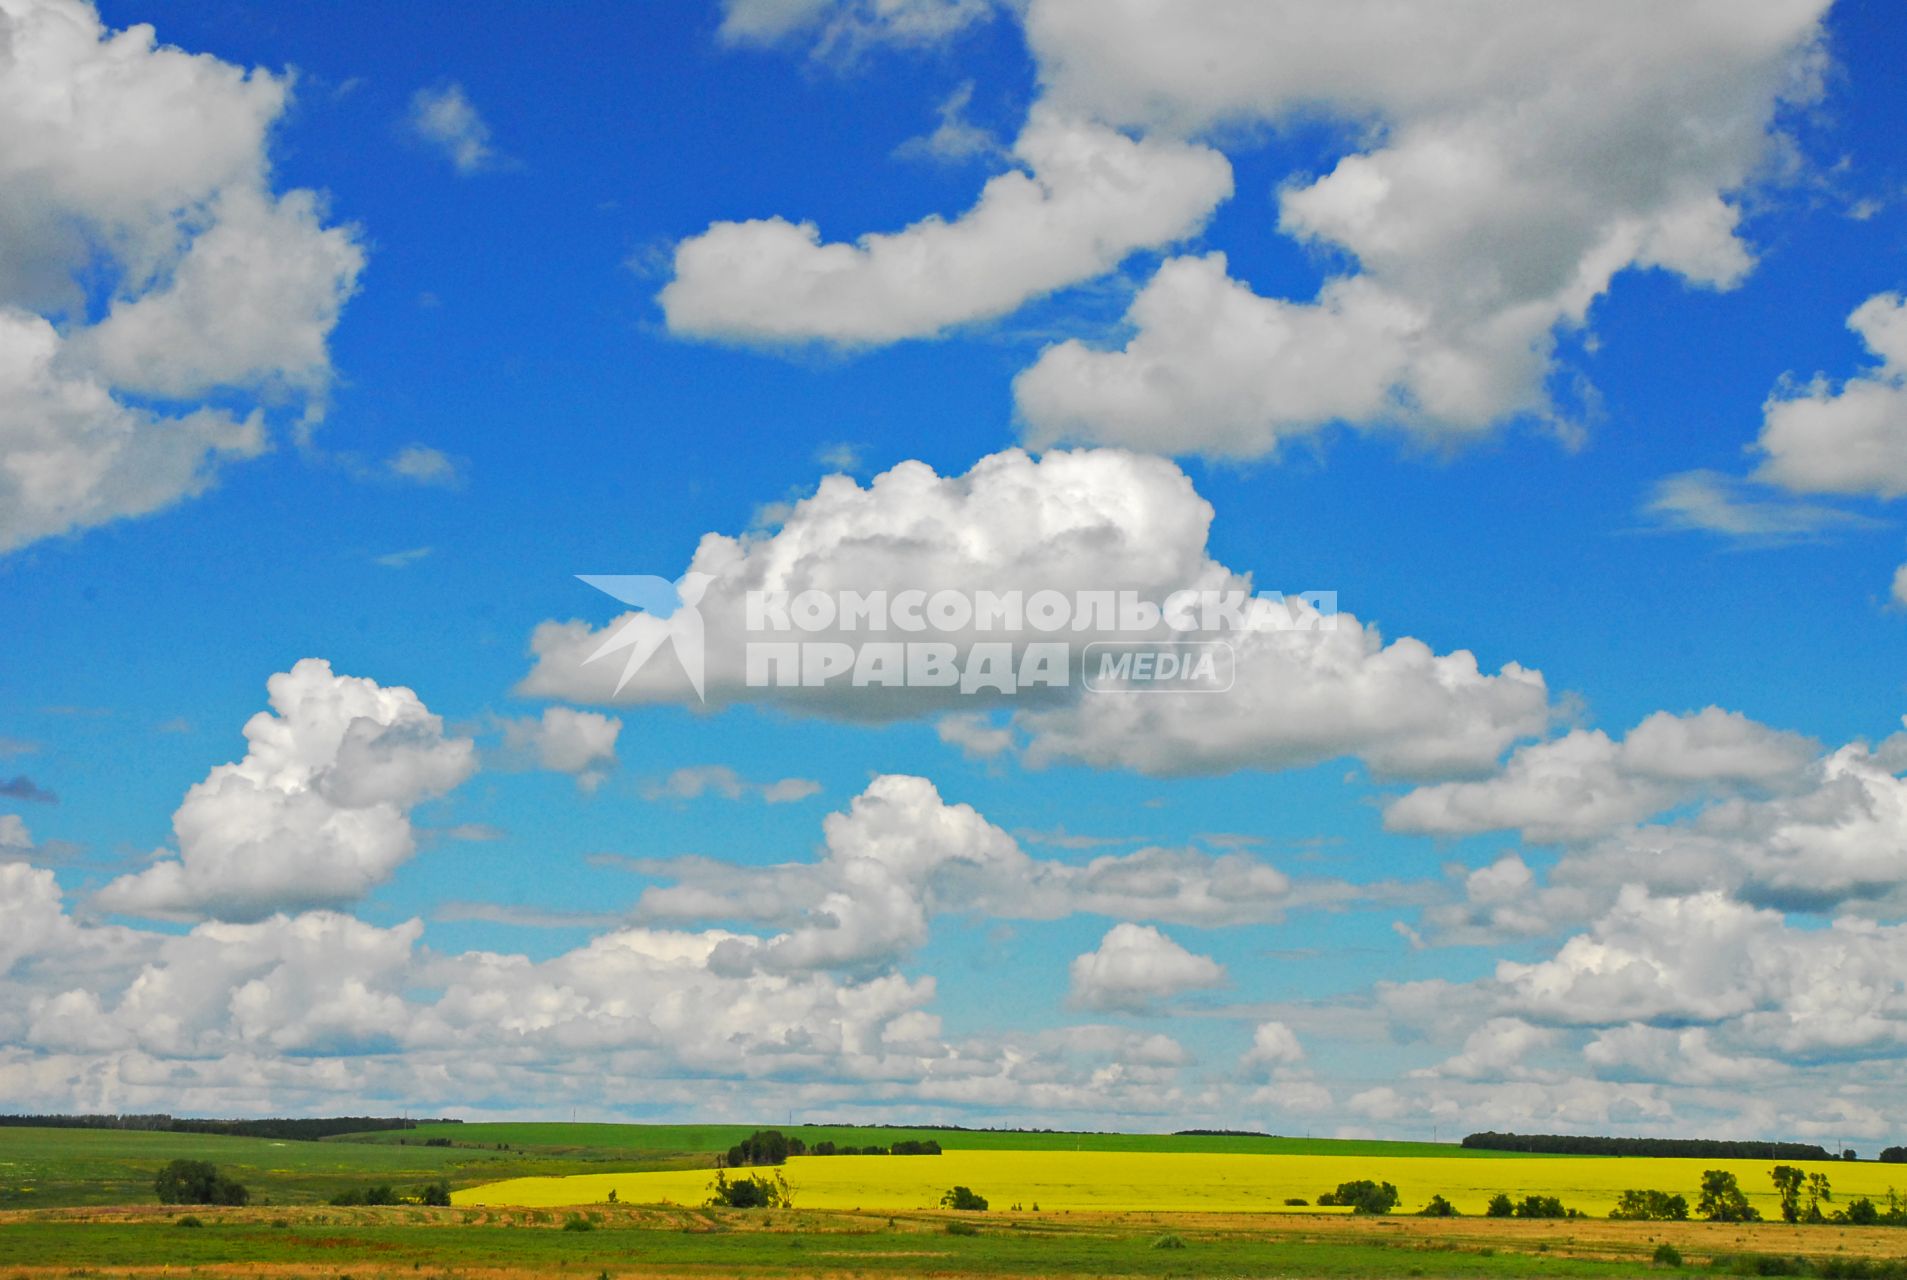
[{"x": 1535, "y": 348}]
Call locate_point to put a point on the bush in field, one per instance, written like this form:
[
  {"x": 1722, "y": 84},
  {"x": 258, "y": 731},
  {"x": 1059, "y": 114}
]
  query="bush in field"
[
  {"x": 1722, "y": 1200},
  {"x": 197, "y": 1182},
  {"x": 1500, "y": 1206},
  {"x": 964, "y": 1198},
  {"x": 1438, "y": 1208},
  {"x": 1296, "y": 1201},
  {"x": 1667, "y": 1255},
  {"x": 1363, "y": 1196},
  {"x": 380, "y": 1194},
  {"x": 1540, "y": 1207},
  {"x": 1859, "y": 1213},
  {"x": 1650, "y": 1206},
  {"x": 577, "y": 1222},
  {"x": 755, "y": 1192},
  {"x": 1168, "y": 1242},
  {"x": 438, "y": 1194}
]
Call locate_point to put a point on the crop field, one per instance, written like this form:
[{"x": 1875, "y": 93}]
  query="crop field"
[
  {"x": 533, "y": 1200},
  {"x": 1187, "y": 1182}
]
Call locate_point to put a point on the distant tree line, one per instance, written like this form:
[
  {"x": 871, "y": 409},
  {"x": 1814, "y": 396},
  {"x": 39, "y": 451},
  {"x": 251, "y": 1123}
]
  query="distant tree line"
[
  {"x": 298, "y": 1130},
  {"x": 1570, "y": 1144},
  {"x": 1221, "y": 1133},
  {"x": 1894, "y": 1155},
  {"x": 435, "y": 1193},
  {"x": 772, "y": 1147}
]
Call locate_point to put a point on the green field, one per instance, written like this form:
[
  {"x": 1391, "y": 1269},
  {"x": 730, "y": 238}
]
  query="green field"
[
  {"x": 650, "y": 1141},
  {"x": 44, "y": 1168},
  {"x": 802, "y": 1244}
]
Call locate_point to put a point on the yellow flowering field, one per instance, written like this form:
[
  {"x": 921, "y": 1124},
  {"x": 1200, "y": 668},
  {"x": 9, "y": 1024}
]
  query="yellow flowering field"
[{"x": 1124, "y": 1181}]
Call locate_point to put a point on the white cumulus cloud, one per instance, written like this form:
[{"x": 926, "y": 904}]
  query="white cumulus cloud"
[
  {"x": 1084, "y": 198},
  {"x": 316, "y": 814},
  {"x": 1848, "y": 438},
  {"x": 144, "y": 168},
  {"x": 1135, "y": 966}
]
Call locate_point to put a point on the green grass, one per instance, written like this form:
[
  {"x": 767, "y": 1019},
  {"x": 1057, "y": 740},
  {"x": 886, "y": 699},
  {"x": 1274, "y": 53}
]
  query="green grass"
[
  {"x": 43, "y": 1168},
  {"x": 652, "y": 1141},
  {"x": 632, "y": 1250}
]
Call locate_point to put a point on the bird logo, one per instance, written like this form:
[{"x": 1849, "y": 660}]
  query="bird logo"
[{"x": 668, "y": 614}]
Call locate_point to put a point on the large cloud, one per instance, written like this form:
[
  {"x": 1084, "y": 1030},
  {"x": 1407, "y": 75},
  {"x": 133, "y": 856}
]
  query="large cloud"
[
  {"x": 144, "y": 167},
  {"x": 1514, "y": 158},
  {"x": 1087, "y": 196},
  {"x": 1075, "y": 523},
  {"x": 318, "y": 811},
  {"x": 308, "y": 1012},
  {"x": 1706, "y": 959},
  {"x": 1507, "y": 160}
]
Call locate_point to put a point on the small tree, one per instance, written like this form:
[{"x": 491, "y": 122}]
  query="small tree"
[
  {"x": 1788, "y": 1180},
  {"x": 965, "y": 1198},
  {"x": 1500, "y": 1206},
  {"x": 1722, "y": 1200},
  {"x": 1438, "y": 1208},
  {"x": 438, "y": 1193},
  {"x": 754, "y": 1192},
  {"x": 1817, "y": 1192}
]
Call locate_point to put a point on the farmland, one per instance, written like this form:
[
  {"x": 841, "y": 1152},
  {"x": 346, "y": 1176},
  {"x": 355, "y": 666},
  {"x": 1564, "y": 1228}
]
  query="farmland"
[
  {"x": 1187, "y": 1182},
  {"x": 533, "y": 1200}
]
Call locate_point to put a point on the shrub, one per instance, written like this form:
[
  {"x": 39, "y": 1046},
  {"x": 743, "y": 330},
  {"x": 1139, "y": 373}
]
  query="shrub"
[
  {"x": 962, "y": 1229},
  {"x": 1650, "y": 1206},
  {"x": 756, "y": 1192},
  {"x": 188, "y": 1221},
  {"x": 438, "y": 1193},
  {"x": 1541, "y": 1207},
  {"x": 196, "y": 1182},
  {"x": 1438, "y": 1208},
  {"x": 1296, "y": 1201},
  {"x": 964, "y": 1198},
  {"x": 1500, "y": 1206},
  {"x": 1860, "y": 1213},
  {"x": 577, "y": 1222},
  {"x": 1667, "y": 1255},
  {"x": 1363, "y": 1196},
  {"x": 1168, "y": 1242}
]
